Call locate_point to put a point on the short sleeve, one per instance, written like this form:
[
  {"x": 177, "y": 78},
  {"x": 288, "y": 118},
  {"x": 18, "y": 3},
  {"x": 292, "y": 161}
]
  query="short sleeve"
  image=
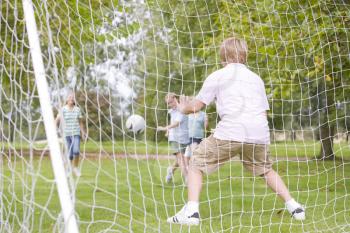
[
  {"x": 178, "y": 116},
  {"x": 266, "y": 103},
  {"x": 208, "y": 92}
]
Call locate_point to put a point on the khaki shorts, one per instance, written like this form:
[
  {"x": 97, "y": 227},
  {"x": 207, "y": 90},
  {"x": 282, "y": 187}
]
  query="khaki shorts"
[{"x": 212, "y": 153}]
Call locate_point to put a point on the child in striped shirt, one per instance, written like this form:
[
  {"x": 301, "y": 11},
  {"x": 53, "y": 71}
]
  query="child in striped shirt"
[{"x": 73, "y": 129}]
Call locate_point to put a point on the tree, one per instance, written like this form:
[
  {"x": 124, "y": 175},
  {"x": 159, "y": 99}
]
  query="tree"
[
  {"x": 92, "y": 48},
  {"x": 301, "y": 51}
]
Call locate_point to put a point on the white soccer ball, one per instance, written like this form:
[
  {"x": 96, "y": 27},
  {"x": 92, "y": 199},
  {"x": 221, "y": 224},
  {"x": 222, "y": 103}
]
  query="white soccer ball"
[{"x": 136, "y": 124}]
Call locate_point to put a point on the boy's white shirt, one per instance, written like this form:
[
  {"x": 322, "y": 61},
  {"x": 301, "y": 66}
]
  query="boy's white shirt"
[
  {"x": 180, "y": 133},
  {"x": 241, "y": 103}
]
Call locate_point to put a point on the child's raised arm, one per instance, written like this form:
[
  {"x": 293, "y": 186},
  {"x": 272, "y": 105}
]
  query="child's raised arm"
[{"x": 166, "y": 128}]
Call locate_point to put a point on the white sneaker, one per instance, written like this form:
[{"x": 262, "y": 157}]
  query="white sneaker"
[
  {"x": 169, "y": 175},
  {"x": 76, "y": 172},
  {"x": 184, "y": 218},
  {"x": 298, "y": 213}
]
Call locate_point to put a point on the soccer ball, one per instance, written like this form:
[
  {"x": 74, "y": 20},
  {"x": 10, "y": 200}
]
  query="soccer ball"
[{"x": 136, "y": 124}]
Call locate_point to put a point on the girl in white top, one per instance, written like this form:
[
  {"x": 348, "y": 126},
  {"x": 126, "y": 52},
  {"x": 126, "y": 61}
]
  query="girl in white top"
[{"x": 73, "y": 130}]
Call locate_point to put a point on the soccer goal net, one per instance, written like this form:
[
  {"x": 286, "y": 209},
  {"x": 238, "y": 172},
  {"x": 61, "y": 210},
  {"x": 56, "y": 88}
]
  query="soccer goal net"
[{"x": 121, "y": 58}]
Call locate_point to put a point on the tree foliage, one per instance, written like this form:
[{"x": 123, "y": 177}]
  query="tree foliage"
[{"x": 299, "y": 48}]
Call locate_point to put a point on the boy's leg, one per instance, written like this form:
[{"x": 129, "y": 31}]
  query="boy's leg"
[
  {"x": 206, "y": 158},
  {"x": 170, "y": 171},
  {"x": 174, "y": 166},
  {"x": 181, "y": 162},
  {"x": 184, "y": 168},
  {"x": 175, "y": 147},
  {"x": 189, "y": 214},
  {"x": 274, "y": 181},
  {"x": 195, "y": 178},
  {"x": 256, "y": 159}
]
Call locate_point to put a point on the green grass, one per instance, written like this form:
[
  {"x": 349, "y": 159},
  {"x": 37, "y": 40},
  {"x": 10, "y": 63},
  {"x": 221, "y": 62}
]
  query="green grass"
[
  {"x": 129, "y": 195},
  {"x": 297, "y": 149},
  {"x": 307, "y": 149}
]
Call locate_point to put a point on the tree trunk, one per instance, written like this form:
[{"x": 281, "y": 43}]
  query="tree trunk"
[{"x": 326, "y": 139}]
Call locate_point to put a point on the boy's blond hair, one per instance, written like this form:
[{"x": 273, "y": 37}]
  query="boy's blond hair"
[
  {"x": 234, "y": 50},
  {"x": 170, "y": 96}
]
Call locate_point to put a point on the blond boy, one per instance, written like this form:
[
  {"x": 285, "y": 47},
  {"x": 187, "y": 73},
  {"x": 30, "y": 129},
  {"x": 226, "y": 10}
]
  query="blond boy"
[
  {"x": 177, "y": 132},
  {"x": 243, "y": 130}
]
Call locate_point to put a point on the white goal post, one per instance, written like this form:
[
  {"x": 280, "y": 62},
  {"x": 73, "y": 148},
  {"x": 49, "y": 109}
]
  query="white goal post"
[{"x": 50, "y": 127}]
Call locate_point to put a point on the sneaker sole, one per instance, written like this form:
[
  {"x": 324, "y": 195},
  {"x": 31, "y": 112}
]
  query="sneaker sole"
[
  {"x": 189, "y": 223},
  {"x": 301, "y": 218}
]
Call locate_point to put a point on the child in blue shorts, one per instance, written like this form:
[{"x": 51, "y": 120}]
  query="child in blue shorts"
[
  {"x": 197, "y": 123},
  {"x": 177, "y": 132},
  {"x": 73, "y": 128}
]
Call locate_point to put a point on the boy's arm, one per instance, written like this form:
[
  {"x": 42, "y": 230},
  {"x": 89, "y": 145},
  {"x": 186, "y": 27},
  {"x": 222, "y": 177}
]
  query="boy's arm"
[
  {"x": 166, "y": 128},
  {"x": 187, "y": 106},
  {"x": 205, "y": 96}
]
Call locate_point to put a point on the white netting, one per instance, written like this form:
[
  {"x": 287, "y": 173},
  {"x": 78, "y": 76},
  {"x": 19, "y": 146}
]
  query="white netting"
[{"x": 121, "y": 58}]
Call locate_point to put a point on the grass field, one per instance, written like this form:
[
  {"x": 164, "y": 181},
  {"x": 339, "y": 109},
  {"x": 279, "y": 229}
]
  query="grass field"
[
  {"x": 297, "y": 149},
  {"x": 127, "y": 195}
]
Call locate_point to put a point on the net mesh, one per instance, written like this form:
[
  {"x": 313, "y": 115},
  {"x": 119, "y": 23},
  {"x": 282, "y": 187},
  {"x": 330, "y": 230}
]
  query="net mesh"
[{"x": 122, "y": 58}]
